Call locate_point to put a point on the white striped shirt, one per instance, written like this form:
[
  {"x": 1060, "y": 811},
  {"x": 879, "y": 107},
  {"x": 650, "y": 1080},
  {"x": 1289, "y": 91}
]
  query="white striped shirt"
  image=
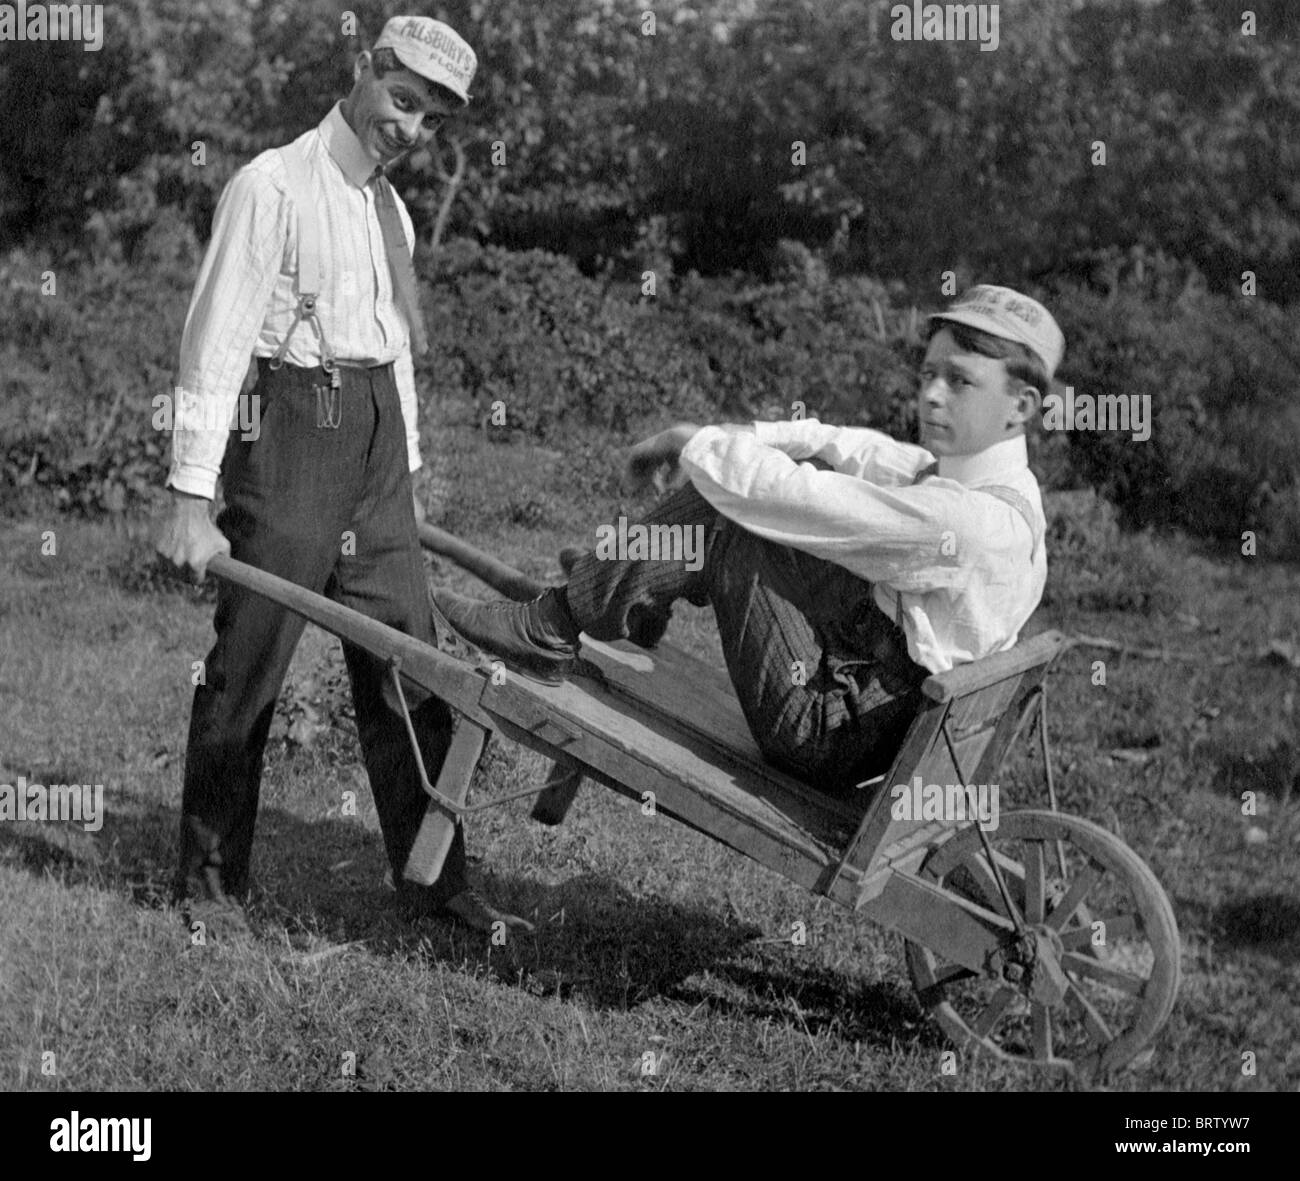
[
  {"x": 958, "y": 563},
  {"x": 244, "y": 301}
]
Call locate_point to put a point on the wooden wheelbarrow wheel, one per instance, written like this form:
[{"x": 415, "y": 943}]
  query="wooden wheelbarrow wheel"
[{"x": 1107, "y": 974}]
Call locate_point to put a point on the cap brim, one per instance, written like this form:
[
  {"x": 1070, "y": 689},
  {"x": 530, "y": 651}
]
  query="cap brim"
[
  {"x": 443, "y": 78},
  {"x": 993, "y": 328}
]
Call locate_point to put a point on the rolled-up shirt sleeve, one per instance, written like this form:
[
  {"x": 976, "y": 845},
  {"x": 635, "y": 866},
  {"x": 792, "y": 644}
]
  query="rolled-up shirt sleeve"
[
  {"x": 249, "y": 236},
  {"x": 855, "y": 451},
  {"x": 909, "y": 537}
]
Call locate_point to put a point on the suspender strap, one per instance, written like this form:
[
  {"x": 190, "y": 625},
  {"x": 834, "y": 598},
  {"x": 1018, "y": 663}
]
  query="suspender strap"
[
  {"x": 295, "y": 159},
  {"x": 298, "y": 176},
  {"x": 1021, "y": 505},
  {"x": 1003, "y": 493}
]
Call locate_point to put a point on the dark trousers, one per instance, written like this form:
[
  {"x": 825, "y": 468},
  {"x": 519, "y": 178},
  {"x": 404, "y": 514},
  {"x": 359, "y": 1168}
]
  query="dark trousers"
[
  {"x": 329, "y": 509},
  {"x": 822, "y": 675}
]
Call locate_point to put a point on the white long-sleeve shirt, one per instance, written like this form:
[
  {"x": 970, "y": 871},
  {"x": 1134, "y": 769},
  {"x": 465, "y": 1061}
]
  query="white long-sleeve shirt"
[
  {"x": 244, "y": 301},
  {"x": 957, "y": 561}
]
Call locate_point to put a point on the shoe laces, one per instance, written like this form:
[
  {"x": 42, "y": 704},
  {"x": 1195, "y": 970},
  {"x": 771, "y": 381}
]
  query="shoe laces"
[{"x": 502, "y": 604}]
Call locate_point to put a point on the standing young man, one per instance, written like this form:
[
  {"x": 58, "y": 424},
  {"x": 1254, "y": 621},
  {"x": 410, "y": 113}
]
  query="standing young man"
[
  {"x": 322, "y": 496},
  {"x": 843, "y": 566}
]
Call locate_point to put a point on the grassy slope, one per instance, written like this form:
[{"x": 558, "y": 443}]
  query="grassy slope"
[{"x": 651, "y": 938}]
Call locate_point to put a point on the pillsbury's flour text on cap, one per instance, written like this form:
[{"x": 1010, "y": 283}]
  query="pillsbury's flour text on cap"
[
  {"x": 1012, "y": 316},
  {"x": 433, "y": 50}
]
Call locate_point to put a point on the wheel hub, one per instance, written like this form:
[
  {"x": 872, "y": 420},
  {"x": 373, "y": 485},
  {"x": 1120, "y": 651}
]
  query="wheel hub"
[{"x": 1031, "y": 964}]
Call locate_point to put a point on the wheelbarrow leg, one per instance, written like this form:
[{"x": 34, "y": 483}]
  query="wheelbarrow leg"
[
  {"x": 433, "y": 841},
  {"x": 554, "y": 799}
]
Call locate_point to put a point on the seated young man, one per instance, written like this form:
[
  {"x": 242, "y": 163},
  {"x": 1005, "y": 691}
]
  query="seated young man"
[{"x": 843, "y": 567}]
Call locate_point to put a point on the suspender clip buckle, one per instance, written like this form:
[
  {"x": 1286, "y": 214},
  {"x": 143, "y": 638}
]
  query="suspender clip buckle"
[{"x": 329, "y": 398}]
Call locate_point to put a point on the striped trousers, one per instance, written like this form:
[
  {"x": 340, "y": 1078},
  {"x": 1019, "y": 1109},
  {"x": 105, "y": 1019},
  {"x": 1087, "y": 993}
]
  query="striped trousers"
[
  {"x": 326, "y": 503},
  {"x": 823, "y": 676}
]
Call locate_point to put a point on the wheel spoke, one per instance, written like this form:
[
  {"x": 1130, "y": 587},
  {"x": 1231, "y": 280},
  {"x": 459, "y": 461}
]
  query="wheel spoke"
[
  {"x": 932, "y": 990},
  {"x": 1086, "y": 966},
  {"x": 951, "y": 973},
  {"x": 1034, "y": 897},
  {"x": 982, "y": 886},
  {"x": 1080, "y": 938},
  {"x": 1117, "y": 992},
  {"x": 985, "y": 882},
  {"x": 1010, "y": 866},
  {"x": 1042, "y": 1020},
  {"x": 992, "y": 1013},
  {"x": 1088, "y": 877},
  {"x": 1098, "y": 1030}
]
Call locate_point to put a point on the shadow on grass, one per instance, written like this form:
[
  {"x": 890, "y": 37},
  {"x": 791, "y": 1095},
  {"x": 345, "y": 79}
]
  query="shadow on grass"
[
  {"x": 1266, "y": 922},
  {"x": 821, "y": 1000},
  {"x": 1270, "y": 767},
  {"x": 596, "y": 942}
]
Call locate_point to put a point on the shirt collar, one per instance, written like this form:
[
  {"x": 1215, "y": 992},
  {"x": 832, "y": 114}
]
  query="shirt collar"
[
  {"x": 343, "y": 146},
  {"x": 1010, "y": 455}
]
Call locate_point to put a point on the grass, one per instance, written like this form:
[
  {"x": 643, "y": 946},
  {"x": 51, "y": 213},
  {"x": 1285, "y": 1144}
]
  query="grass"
[{"x": 652, "y": 940}]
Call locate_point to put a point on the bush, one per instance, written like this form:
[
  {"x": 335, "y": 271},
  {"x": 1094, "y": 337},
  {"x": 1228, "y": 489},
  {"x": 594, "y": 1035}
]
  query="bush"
[
  {"x": 921, "y": 157},
  {"x": 832, "y": 349},
  {"x": 81, "y": 366},
  {"x": 1092, "y": 567},
  {"x": 553, "y": 348},
  {"x": 1225, "y": 424},
  {"x": 528, "y": 335}
]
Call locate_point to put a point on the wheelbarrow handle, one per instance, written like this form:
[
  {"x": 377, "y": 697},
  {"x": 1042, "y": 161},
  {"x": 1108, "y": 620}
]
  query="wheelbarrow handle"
[
  {"x": 503, "y": 579},
  {"x": 433, "y": 671},
  {"x": 345, "y": 623}
]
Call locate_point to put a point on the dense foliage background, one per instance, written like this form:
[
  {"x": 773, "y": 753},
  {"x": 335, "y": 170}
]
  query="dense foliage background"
[
  {"x": 780, "y": 288},
  {"x": 776, "y": 282}
]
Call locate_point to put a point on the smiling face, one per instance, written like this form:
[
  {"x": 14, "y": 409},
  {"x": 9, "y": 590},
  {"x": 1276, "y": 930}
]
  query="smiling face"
[
  {"x": 394, "y": 114},
  {"x": 967, "y": 401}
]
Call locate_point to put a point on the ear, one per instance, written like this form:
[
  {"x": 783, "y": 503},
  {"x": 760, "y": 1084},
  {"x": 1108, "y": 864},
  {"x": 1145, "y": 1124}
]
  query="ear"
[
  {"x": 1028, "y": 403},
  {"x": 362, "y": 66}
]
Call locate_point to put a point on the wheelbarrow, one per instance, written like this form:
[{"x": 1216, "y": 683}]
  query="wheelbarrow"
[{"x": 1044, "y": 941}]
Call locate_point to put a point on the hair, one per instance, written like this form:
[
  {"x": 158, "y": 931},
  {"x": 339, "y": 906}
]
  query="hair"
[
  {"x": 385, "y": 61},
  {"x": 1024, "y": 367}
]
